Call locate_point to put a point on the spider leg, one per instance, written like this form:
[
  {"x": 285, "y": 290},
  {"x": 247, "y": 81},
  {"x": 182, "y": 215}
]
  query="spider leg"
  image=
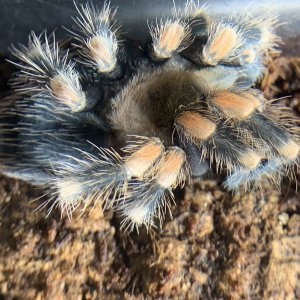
[
  {"x": 218, "y": 143},
  {"x": 237, "y": 45},
  {"x": 198, "y": 166},
  {"x": 172, "y": 35},
  {"x": 249, "y": 111},
  {"x": 44, "y": 68},
  {"x": 150, "y": 199},
  {"x": 240, "y": 133},
  {"x": 96, "y": 34},
  {"x": 103, "y": 177}
]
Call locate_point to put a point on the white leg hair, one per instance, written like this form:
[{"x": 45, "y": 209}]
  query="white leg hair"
[
  {"x": 97, "y": 37},
  {"x": 44, "y": 68}
]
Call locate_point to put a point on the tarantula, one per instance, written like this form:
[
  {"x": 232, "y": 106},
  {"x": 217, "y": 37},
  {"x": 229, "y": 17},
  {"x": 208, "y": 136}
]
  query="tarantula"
[{"x": 110, "y": 122}]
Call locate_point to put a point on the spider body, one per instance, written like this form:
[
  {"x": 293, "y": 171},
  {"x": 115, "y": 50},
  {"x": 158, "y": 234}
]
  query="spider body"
[{"x": 125, "y": 126}]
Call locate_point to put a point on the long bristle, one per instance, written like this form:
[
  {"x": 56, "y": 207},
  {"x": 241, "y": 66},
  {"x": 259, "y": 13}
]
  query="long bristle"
[
  {"x": 224, "y": 43},
  {"x": 97, "y": 36},
  {"x": 260, "y": 31},
  {"x": 145, "y": 203},
  {"x": 66, "y": 87},
  {"x": 90, "y": 178},
  {"x": 142, "y": 157},
  {"x": 250, "y": 159},
  {"x": 44, "y": 68},
  {"x": 194, "y": 126},
  {"x": 148, "y": 200},
  {"x": 234, "y": 105},
  {"x": 172, "y": 35},
  {"x": 256, "y": 98},
  {"x": 272, "y": 170},
  {"x": 171, "y": 170},
  {"x": 290, "y": 150},
  {"x": 219, "y": 78},
  {"x": 168, "y": 37}
]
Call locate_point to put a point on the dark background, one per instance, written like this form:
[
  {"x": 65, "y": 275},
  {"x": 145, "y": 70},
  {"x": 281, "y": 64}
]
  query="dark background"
[{"x": 19, "y": 17}]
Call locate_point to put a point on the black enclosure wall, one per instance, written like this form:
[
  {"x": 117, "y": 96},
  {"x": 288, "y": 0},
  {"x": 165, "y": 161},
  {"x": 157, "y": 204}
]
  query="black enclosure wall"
[{"x": 19, "y": 17}]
